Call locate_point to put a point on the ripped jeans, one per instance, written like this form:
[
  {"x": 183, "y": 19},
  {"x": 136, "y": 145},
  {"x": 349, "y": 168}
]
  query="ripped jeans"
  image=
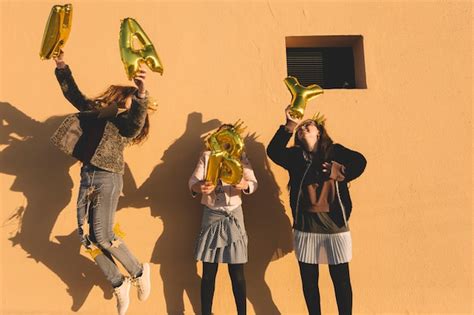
[{"x": 97, "y": 202}]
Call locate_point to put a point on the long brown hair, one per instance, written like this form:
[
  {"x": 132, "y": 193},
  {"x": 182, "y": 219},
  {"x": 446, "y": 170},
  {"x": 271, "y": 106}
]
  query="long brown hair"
[
  {"x": 324, "y": 144},
  {"x": 118, "y": 94}
]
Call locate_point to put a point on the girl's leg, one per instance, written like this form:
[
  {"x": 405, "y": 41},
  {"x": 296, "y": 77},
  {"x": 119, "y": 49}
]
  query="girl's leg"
[
  {"x": 309, "y": 277},
  {"x": 86, "y": 203},
  {"x": 102, "y": 190},
  {"x": 342, "y": 287},
  {"x": 107, "y": 188},
  {"x": 237, "y": 276},
  {"x": 208, "y": 283},
  {"x": 107, "y": 264}
]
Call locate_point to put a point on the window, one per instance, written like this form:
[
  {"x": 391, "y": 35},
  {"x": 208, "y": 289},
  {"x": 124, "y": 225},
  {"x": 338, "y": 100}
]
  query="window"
[{"x": 332, "y": 62}]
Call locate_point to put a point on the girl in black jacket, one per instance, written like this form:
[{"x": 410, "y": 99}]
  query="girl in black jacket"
[
  {"x": 97, "y": 136},
  {"x": 319, "y": 197}
]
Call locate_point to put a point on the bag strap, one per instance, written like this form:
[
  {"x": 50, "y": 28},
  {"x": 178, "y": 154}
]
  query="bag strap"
[{"x": 340, "y": 203}]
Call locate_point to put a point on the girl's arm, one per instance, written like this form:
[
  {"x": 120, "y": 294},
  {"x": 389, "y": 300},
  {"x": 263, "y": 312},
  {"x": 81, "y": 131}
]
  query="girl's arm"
[
  {"x": 248, "y": 176},
  {"x": 131, "y": 122},
  {"x": 198, "y": 174},
  {"x": 69, "y": 86},
  {"x": 353, "y": 162},
  {"x": 196, "y": 182},
  {"x": 277, "y": 150}
]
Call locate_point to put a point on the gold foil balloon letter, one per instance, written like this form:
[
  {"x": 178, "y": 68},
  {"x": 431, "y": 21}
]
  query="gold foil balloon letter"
[
  {"x": 300, "y": 95},
  {"x": 95, "y": 251},
  {"x": 132, "y": 56},
  {"x": 226, "y": 147},
  {"x": 56, "y": 31}
]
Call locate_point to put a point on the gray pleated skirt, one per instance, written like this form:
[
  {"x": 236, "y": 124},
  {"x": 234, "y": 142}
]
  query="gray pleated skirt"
[
  {"x": 318, "y": 248},
  {"x": 223, "y": 238}
]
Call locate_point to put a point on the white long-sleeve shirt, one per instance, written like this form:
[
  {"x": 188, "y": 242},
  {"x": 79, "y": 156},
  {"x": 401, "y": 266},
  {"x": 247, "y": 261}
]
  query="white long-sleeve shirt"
[{"x": 225, "y": 197}]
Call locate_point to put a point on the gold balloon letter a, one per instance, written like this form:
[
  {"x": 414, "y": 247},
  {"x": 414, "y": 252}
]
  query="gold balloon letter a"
[
  {"x": 131, "y": 57},
  {"x": 57, "y": 31},
  {"x": 300, "y": 95},
  {"x": 226, "y": 147}
]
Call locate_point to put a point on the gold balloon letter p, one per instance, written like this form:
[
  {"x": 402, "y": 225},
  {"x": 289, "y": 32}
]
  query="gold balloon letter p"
[
  {"x": 131, "y": 57},
  {"x": 300, "y": 95},
  {"x": 57, "y": 31}
]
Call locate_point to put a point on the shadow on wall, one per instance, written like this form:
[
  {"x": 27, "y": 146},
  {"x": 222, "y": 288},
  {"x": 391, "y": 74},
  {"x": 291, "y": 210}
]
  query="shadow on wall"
[
  {"x": 166, "y": 193},
  {"x": 268, "y": 228},
  {"x": 42, "y": 174}
]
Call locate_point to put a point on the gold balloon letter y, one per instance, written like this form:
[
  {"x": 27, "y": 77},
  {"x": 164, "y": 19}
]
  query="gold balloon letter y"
[{"x": 300, "y": 95}]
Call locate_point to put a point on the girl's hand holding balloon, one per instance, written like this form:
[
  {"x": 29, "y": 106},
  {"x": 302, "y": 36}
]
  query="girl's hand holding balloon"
[
  {"x": 203, "y": 187},
  {"x": 139, "y": 80},
  {"x": 60, "y": 64},
  {"x": 291, "y": 122},
  {"x": 243, "y": 185}
]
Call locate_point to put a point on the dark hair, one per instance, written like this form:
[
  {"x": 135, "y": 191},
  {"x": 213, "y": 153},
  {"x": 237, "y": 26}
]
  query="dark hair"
[
  {"x": 324, "y": 144},
  {"x": 143, "y": 135},
  {"x": 118, "y": 94}
]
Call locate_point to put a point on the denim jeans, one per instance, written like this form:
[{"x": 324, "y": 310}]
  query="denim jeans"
[{"x": 97, "y": 202}]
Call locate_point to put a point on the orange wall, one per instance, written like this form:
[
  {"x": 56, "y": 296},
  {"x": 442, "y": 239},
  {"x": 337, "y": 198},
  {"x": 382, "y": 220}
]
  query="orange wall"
[{"x": 412, "y": 217}]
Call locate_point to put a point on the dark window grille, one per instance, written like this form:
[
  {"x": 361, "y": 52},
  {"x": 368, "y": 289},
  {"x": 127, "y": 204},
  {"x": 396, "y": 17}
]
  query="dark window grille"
[{"x": 328, "y": 67}]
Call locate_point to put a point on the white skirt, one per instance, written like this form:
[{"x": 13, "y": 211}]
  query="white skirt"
[{"x": 316, "y": 248}]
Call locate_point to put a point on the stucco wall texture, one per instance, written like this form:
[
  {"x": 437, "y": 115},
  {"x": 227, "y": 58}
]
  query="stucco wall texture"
[{"x": 412, "y": 218}]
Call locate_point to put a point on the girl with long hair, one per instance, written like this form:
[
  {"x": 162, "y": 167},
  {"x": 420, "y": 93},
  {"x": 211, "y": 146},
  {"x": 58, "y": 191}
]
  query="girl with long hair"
[
  {"x": 97, "y": 136},
  {"x": 319, "y": 172}
]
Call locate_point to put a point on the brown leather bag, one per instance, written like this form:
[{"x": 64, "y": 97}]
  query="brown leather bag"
[{"x": 320, "y": 202}]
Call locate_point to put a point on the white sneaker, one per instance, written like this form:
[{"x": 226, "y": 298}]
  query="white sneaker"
[
  {"x": 122, "y": 293},
  {"x": 143, "y": 283}
]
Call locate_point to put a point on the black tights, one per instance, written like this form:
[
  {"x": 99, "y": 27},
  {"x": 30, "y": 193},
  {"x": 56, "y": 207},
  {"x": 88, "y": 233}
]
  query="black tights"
[
  {"x": 236, "y": 272},
  {"x": 342, "y": 286}
]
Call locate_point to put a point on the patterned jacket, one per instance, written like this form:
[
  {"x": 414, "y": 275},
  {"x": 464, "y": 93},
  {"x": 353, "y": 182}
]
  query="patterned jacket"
[{"x": 119, "y": 130}]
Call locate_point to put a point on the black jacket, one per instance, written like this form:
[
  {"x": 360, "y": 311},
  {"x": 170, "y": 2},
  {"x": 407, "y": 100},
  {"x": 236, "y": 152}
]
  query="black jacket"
[
  {"x": 117, "y": 132},
  {"x": 293, "y": 160}
]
